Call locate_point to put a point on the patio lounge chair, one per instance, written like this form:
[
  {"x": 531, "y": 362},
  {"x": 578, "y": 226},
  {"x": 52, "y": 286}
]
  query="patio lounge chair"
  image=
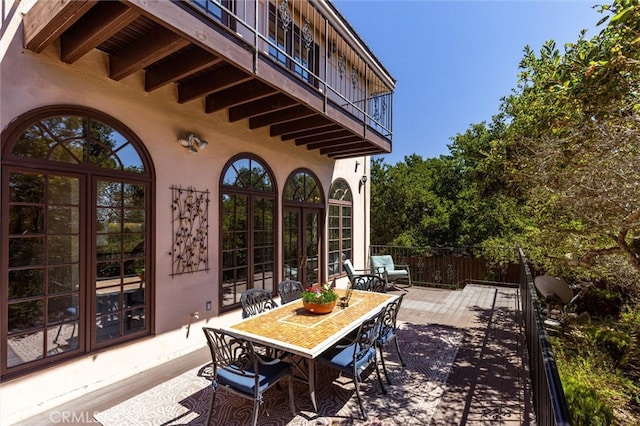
[
  {"x": 391, "y": 273},
  {"x": 364, "y": 281}
]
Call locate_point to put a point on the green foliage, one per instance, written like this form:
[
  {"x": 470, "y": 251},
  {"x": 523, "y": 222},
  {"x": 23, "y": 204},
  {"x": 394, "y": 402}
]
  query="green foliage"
[{"x": 586, "y": 407}]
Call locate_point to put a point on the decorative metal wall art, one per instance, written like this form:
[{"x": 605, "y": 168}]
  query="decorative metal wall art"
[{"x": 190, "y": 228}]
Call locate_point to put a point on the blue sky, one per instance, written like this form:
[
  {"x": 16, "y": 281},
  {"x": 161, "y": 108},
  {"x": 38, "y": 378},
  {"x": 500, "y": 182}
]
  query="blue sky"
[{"x": 453, "y": 60}]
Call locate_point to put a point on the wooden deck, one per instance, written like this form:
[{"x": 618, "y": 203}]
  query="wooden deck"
[{"x": 489, "y": 382}]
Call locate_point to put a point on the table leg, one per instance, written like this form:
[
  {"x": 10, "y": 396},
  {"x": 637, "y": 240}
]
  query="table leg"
[{"x": 312, "y": 383}]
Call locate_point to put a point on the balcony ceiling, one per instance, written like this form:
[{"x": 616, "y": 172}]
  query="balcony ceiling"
[{"x": 174, "y": 45}]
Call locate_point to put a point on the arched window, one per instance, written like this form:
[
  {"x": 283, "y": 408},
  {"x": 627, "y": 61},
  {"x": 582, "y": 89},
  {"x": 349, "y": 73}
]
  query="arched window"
[
  {"x": 340, "y": 226},
  {"x": 248, "y": 229},
  {"x": 76, "y": 188},
  {"x": 302, "y": 227}
]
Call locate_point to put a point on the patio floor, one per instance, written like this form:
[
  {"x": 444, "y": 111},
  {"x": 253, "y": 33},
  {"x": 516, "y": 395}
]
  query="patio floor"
[{"x": 488, "y": 383}]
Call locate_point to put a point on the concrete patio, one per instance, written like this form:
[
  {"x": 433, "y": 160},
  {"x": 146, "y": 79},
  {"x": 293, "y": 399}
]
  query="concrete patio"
[{"x": 488, "y": 383}]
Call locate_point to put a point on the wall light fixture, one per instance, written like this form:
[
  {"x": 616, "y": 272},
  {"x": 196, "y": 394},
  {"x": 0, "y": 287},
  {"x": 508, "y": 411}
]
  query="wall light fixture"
[{"x": 192, "y": 143}]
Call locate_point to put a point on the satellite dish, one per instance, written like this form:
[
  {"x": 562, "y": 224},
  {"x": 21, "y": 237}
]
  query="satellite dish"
[{"x": 553, "y": 288}]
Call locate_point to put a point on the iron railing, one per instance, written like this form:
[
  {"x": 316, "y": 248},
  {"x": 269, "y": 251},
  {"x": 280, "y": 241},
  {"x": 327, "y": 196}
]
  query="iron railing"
[
  {"x": 313, "y": 42},
  {"x": 455, "y": 267},
  {"x": 549, "y": 400}
]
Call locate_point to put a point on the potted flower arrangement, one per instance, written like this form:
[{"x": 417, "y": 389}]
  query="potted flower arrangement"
[{"x": 319, "y": 299}]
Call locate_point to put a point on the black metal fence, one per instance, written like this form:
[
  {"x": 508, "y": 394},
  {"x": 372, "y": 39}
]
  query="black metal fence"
[
  {"x": 549, "y": 401},
  {"x": 455, "y": 267}
]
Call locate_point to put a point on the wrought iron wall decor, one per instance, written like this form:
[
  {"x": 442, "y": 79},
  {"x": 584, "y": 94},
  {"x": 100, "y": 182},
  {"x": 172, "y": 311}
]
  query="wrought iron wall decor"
[{"x": 190, "y": 228}]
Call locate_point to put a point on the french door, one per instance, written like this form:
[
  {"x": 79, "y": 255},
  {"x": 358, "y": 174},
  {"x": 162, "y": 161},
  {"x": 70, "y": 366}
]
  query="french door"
[{"x": 301, "y": 240}]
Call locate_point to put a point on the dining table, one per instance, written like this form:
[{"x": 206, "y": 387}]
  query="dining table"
[{"x": 291, "y": 329}]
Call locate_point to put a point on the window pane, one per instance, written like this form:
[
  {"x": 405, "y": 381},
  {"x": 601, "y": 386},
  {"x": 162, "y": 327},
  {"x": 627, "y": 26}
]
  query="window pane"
[
  {"x": 64, "y": 190},
  {"x": 63, "y": 249},
  {"x": 25, "y": 220},
  {"x": 25, "y": 315},
  {"x": 26, "y": 251},
  {"x": 63, "y": 279},
  {"x": 25, "y": 348},
  {"x": 109, "y": 194},
  {"x": 24, "y": 187},
  {"x": 26, "y": 283},
  {"x": 108, "y": 220},
  {"x": 63, "y": 220}
]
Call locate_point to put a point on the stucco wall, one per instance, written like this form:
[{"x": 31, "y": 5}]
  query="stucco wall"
[{"x": 29, "y": 81}]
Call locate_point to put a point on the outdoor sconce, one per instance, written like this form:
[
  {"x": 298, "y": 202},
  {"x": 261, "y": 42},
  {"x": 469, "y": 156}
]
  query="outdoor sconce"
[
  {"x": 192, "y": 143},
  {"x": 363, "y": 180}
]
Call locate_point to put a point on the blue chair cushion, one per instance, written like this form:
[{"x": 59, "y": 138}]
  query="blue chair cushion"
[
  {"x": 268, "y": 374},
  {"x": 342, "y": 358}
]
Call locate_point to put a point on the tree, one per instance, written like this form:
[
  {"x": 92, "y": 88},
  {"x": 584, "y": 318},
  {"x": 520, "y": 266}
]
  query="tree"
[{"x": 574, "y": 125}]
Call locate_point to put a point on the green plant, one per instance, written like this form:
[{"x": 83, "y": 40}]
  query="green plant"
[
  {"x": 319, "y": 294},
  {"x": 585, "y": 405}
]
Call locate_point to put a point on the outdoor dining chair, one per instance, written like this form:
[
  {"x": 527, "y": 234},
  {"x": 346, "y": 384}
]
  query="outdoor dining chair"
[
  {"x": 388, "y": 331},
  {"x": 255, "y": 301},
  {"x": 290, "y": 290},
  {"x": 241, "y": 371},
  {"x": 356, "y": 357},
  {"x": 364, "y": 280}
]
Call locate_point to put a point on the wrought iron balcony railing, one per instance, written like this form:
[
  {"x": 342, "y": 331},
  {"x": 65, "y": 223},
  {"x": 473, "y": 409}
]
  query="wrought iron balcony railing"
[{"x": 313, "y": 42}]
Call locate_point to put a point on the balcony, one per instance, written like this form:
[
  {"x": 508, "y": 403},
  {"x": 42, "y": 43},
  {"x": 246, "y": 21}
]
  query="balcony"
[{"x": 294, "y": 67}]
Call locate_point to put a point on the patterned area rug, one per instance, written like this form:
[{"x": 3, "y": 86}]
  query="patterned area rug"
[{"x": 428, "y": 351}]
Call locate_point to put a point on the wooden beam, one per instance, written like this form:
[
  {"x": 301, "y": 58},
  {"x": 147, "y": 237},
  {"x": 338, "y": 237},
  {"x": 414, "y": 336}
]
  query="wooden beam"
[
  {"x": 260, "y": 106},
  {"x": 282, "y": 116},
  {"x": 214, "y": 81},
  {"x": 157, "y": 44},
  {"x": 47, "y": 20},
  {"x": 96, "y": 26},
  {"x": 323, "y": 137},
  {"x": 302, "y": 124},
  {"x": 237, "y": 95},
  {"x": 351, "y": 147},
  {"x": 183, "y": 65},
  {"x": 304, "y": 133},
  {"x": 333, "y": 143}
]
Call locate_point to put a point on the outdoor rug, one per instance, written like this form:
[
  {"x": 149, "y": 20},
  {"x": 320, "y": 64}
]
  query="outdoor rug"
[{"x": 428, "y": 351}]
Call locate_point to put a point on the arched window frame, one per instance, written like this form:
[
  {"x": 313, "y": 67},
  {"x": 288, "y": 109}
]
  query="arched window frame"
[
  {"x": 262, "y": 242},
  {"x": 87, "y": 161}
]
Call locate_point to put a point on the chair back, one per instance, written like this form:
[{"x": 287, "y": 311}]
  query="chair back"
[
  {"x": 290, "y": 290},
  {"x": 369, "y": 282},
  {"x": 349, "y": 269},
  {"x": 388, "y": 322},
  {"x": 255, "y": 301},
  {"x": 364, "y": 342},
  {"x": 382, "y": 263},
  {"x": 233, "y": 358}
]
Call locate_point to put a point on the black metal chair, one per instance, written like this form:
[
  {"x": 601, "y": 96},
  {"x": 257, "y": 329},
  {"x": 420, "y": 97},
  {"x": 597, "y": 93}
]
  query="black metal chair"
[
  {"x": 243, "y": 372},
  {"x": 290, "y": 290},
  {"x": 388, "y": 332},
  {"x": 255, "y": 301},
  {"x": 356, "y": 357},
  {"x": 368, "y": 283}
]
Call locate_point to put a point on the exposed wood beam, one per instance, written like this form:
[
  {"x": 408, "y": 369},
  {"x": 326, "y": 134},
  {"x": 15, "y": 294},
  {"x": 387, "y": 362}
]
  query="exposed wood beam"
[
  {"x": 359, "y": 153},
  {"x": 323, "y": 137},
  {"x": 260, "y": 106},
  {"x": 47, "y": 20},
  {"x": 293, "y": 113},
  {"x": 214, "y": 81},
  {"x": 351, "y": 147},
  {"x": 304, "y": 133},
  {"x": 302, "y": 124},
  {"x": 182, "y": 66},
  {"x": 157, "y": 44},
  {"x": 237, "y": 95},
  {"x": 96, "y": 26},
  {"x": 334, "y": 143}
]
